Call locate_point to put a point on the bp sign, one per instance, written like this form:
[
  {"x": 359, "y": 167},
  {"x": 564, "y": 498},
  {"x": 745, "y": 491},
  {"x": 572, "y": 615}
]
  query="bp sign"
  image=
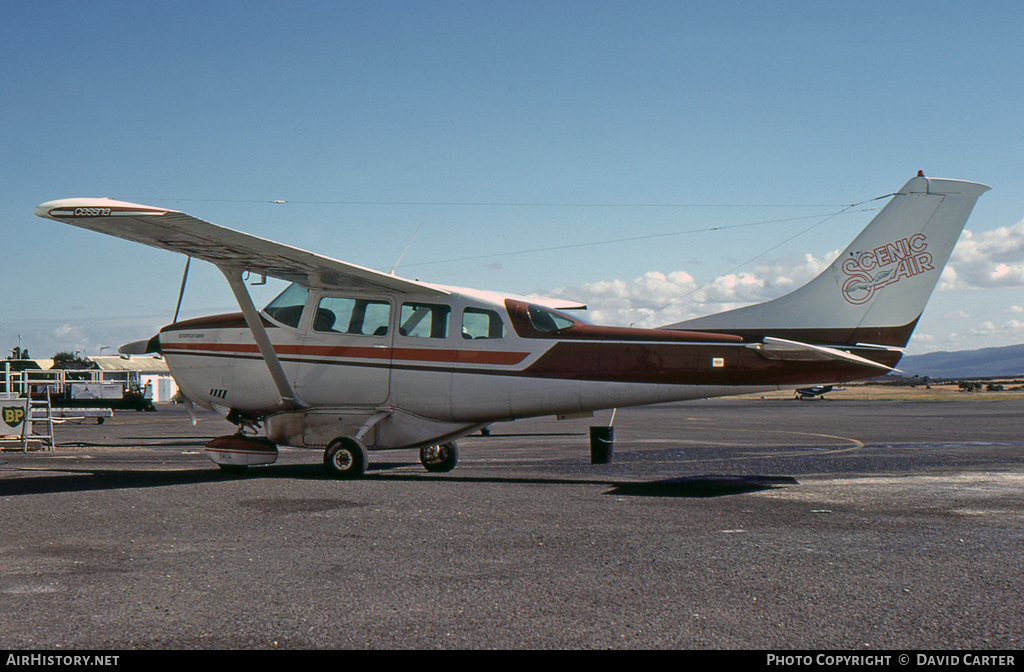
[{"x": 13, "y": 414}]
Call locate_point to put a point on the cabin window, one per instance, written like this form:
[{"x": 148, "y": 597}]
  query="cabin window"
[
  {"x": 343, "y": 315},
  {"x": 424, "y": 320},
  {"x": 482, "y": 323},
  {"x": 287, "y": 307},
  {"x": 548, "y": 320}
]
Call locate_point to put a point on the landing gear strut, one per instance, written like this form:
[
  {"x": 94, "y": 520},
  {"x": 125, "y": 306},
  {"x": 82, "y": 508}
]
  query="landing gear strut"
[
  {"x": 441, "y": 458},
  {"x": 345, "y": 458}
]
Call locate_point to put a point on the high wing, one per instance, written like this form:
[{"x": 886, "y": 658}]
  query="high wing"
[{"x": 221, "y": 246}]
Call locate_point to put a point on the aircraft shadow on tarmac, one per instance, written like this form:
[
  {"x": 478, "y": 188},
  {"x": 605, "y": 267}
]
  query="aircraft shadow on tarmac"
[
  {"x": 686, "y": 487},
  {"x": 701, "y": 486},
  {"x": 81, "y": 480}
]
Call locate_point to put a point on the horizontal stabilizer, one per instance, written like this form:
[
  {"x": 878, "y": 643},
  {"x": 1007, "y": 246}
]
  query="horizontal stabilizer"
[{"x": 794, "y": 351}]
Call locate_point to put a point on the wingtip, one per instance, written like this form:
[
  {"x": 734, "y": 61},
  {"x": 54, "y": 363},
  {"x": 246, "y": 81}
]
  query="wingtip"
[
  {"x": 66, "y": 208},
  {"x": 43, "y": 209}
]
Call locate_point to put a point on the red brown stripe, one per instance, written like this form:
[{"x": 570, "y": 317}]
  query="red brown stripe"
[{"x": 358, "y": 352}]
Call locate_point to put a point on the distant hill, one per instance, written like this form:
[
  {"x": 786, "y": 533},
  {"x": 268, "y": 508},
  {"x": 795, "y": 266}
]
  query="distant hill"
[{"x": 984, "y": 363}]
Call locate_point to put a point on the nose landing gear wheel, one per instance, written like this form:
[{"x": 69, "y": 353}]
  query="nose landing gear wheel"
[
  {"x": 441, "y": 458},
  {"x": 345, "y": 458}
]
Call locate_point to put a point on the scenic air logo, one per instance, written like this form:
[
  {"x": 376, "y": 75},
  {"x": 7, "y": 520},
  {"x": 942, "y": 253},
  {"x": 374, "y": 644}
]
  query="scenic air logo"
[{"x": 867, "y": 272}]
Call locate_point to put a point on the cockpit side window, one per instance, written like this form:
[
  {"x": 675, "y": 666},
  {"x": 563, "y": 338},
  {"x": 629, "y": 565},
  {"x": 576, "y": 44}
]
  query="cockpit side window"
[
  {"x": 424, "y": 320},
  {"x": 547, "y": 321},
  {"x": 344, "y": 315},
  {"x": 482, "y": 323},
  {"x": 287, "y": 307}
]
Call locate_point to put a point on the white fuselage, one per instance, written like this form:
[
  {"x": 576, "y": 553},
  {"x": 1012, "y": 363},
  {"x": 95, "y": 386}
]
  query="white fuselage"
[{"x": 408, "y": 370}]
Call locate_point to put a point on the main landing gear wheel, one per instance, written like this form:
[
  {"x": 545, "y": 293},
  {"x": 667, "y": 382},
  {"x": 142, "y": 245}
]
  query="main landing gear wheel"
[
  {"x": 440, "y": 458},
  {"x": 345, "y": 458}
]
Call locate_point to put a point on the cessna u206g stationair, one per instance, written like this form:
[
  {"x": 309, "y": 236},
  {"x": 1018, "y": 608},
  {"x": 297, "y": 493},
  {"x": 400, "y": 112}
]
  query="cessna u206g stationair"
[{"x": 348, "y": 358}]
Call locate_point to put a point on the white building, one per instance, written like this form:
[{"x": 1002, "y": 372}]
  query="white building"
[{"x": 150, "y": 372}]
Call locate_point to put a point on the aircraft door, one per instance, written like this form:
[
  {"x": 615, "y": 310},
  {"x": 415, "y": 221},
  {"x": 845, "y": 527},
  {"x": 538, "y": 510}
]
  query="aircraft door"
[
  {"x": 422, "y": 356},
  {"x": 345, "y": 353}
]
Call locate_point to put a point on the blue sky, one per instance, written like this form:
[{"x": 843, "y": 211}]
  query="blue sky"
[{"x": 505, "y": 127}]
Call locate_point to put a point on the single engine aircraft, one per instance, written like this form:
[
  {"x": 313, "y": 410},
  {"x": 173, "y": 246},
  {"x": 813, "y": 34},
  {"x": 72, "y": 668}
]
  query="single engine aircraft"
[
  {"x": 348, "y": 358},
  {"x": 816, "y": 392}
]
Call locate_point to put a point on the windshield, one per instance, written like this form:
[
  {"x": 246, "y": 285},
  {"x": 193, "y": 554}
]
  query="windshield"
[
  {"x": 548, "y": 320},
  {"x": 287, "y": 307}
]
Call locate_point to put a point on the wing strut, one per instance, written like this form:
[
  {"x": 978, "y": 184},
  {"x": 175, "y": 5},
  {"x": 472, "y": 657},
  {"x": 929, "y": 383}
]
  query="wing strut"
[{"x": 289, "y": 398}]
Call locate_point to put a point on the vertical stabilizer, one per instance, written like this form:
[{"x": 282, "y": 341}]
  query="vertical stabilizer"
[{"x": 876, "y": 290}]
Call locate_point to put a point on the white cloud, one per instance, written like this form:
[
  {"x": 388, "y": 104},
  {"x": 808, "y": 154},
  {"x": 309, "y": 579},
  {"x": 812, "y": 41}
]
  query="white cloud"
[
  {"x": 42, "y": 338},
  {"x": 987, "y": 259},
  {"x": 1010, "y": 331},
  {"x": 986, "y": 334},
  {"x": 656, "y": 298},
  {"x": 68, "y": 333}
]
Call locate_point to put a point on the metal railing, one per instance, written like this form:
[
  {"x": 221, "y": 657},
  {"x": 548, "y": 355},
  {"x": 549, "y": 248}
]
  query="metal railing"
[{"x": 35, "y": 382}]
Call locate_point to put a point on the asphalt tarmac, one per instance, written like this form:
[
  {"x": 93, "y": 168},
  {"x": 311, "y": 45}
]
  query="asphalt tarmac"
[{"x": 729, "y": 524}]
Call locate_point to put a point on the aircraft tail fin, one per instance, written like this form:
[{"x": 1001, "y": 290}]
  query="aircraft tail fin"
[{"x": 876, "y": 290}]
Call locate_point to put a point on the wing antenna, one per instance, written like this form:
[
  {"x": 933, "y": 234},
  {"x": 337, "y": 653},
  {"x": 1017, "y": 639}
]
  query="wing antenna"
[{"x": 399, "y": 260}]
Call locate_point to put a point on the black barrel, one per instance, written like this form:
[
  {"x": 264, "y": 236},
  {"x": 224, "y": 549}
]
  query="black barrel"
[{"x": 602, "y": 440}]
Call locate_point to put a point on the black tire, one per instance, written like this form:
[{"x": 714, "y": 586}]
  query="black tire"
[
  {"x": 345, "y": 458},
  {"x": 441, "y": 458},
  {"x": 233, "y": 469}
]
